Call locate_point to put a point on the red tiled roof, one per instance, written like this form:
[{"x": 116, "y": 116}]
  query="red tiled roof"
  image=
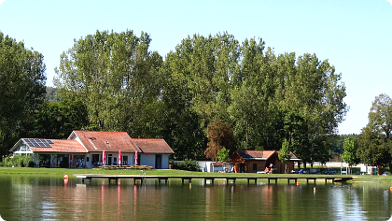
[
  {"x": 61, "y": 146},
  {"x": 256, "y": 154},
  {"x": 103, "y": 140},
  {"x": 152, "y": 145},
  {"x": 260, "y": 154}
]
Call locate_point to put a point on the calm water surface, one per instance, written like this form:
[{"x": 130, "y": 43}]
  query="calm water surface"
[{"x": 48, "y": 198}]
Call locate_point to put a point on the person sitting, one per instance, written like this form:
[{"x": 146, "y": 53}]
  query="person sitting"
[{"x": 266, "y": 170}]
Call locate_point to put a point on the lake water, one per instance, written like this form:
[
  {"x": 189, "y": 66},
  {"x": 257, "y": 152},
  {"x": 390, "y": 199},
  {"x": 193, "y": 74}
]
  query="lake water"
[{"x": 45, "y": 198}]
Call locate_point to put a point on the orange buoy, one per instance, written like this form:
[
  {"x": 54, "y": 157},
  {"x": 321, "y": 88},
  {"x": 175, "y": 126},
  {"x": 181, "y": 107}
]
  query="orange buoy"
[
  {"x": 297, "y": 183},
  {"x": 65, "y": 179}
]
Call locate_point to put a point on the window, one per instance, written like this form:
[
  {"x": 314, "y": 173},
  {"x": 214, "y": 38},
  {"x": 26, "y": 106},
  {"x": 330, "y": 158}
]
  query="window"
[{"x": 255, "y": 166}]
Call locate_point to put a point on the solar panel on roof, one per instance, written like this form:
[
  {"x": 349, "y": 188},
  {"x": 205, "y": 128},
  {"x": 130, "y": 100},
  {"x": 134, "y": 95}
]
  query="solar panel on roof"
[{"x": 32, "y": 142}]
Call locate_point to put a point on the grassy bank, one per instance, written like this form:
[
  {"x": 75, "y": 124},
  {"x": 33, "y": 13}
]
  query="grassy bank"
[{"x": 63, "y": 171}]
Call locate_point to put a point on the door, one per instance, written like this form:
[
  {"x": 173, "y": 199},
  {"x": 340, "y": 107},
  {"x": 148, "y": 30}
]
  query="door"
[
  {"x": 124, "y": 160},
  {"x": 242, "y": 168},
  {"x": 109, "y": 159},
  {"x": 65, "y": 162},
  {"x": 158, "y": 161}
]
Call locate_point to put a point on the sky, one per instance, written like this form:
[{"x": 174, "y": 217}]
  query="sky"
[{"x": 353, "y": 35}]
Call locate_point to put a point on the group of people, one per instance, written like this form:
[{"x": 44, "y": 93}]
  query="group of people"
[
  {"x": 270, "y": 169},
  {"x": 226, "y": 170}
]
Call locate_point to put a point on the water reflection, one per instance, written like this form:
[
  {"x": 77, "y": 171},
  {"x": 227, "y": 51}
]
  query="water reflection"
[{"x": 43, "y": 198}]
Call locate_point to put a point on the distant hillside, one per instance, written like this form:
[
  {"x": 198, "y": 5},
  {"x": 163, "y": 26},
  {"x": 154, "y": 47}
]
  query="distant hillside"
[{"x": 50, "y": 94}]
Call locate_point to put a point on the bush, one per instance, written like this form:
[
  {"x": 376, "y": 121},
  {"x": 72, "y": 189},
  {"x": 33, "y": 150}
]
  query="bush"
[
  {"x": 19, "y": 161},
  {"x": 190, "y": 165}
]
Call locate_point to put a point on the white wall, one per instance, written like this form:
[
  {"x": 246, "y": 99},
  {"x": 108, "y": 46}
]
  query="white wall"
[
  {"x": 147, "y": 160},
  {"x": 165, "y": 161},
  {"x": 206, "y": 166}
]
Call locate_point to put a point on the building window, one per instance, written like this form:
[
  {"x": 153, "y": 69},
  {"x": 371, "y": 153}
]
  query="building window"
[{"x": 255, "y": 166}]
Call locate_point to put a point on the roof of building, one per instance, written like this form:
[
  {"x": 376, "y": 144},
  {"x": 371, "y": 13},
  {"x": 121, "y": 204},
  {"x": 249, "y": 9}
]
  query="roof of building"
[
  {"x": 96, "y": 141},
  {"x": 256, "y": 154},
  {"x": 260, "y": 154},
  {"x": 104, "y": 140},
  {"x": 57, "y": 146},
  {"x": 152, "y": 145}
]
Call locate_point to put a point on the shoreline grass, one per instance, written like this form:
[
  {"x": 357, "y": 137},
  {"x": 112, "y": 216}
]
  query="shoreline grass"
[{"x": 165, "y": 172}]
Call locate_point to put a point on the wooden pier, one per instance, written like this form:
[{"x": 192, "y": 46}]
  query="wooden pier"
[{"x": 229, "y": 179}]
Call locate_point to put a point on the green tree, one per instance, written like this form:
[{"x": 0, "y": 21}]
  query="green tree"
[
  {"x": 284, "y": 153},
  {"x": 311, "y": 89},
  {"x": 350, "y": 152},
  {"x": 51, "y": 94},
  {"x": 223, "y": 155},
  {"x": 116, "y": 77},
  {"x": 205, "y": 67},
  {"x": 375, "y": 140},
  {"x": 253, "y": 111},
  {"x": 59, "y": 119},
  {"x": 337, "y": 141},
  {"x": 196, "y": 90},
  {"x": 22, "y": 89},
  {"x": 181, "y": 126}
]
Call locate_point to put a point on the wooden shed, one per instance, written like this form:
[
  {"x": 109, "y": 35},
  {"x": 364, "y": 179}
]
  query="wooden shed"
[{"x": 253, "y": 161}]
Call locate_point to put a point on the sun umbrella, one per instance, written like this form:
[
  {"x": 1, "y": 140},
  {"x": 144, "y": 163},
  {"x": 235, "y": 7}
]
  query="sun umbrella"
[
  {"x": 136, "y": 157},
  {"x": 119, "y": 157},
  {"x": 103, "y": 157}
]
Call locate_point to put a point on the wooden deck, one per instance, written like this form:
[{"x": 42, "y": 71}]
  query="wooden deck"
[{"x": 229, "y": 179}]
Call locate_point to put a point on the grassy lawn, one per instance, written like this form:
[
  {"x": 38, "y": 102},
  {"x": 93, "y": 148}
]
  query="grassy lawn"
[{"x": 70, "y": 172}]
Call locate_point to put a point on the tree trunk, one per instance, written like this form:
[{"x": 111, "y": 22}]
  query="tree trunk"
[{"x": 380, "y": 170}]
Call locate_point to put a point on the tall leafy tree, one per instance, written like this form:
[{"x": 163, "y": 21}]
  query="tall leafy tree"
[
  {"x": 312, "y": 89},
  {"x": 205, "y": 66},
  {"x": 59, "y": 119},
  {"x": 252, "y": 108},
  {"x": 181, "y": 126},
  {"x": 284, "y": 153},
  {"x": 376, "y": 138},
  {"x": 116, "y": 76},
  {"x": 22, "y": 88},
  {"x": 198, "y": 77},
  {"x": 283, "y": 97},
  {"x": 350, "y": 152}
]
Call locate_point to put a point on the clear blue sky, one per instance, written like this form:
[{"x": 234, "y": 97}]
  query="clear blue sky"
[{"x": 354, "y": 35}]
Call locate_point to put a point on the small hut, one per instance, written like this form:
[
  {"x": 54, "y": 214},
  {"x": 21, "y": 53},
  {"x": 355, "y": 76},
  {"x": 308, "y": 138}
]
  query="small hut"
[{"x": 253, "y": 161}]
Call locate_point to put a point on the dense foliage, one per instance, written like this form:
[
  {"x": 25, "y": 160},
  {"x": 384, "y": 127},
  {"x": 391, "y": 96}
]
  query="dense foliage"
[
  {"x": 116, "y": 77},
  {"x": 58, "y": 119},
  {"x": 209, "y": 92},
  {"x": 350, "y": 154},
  {"x": 376, "y": 138},
  {"x": 19, "y": 161},
  {"x": 22, "y": 89},
  {"x": 189, "y": 165},
  {"x": 265, "y": 98}
]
